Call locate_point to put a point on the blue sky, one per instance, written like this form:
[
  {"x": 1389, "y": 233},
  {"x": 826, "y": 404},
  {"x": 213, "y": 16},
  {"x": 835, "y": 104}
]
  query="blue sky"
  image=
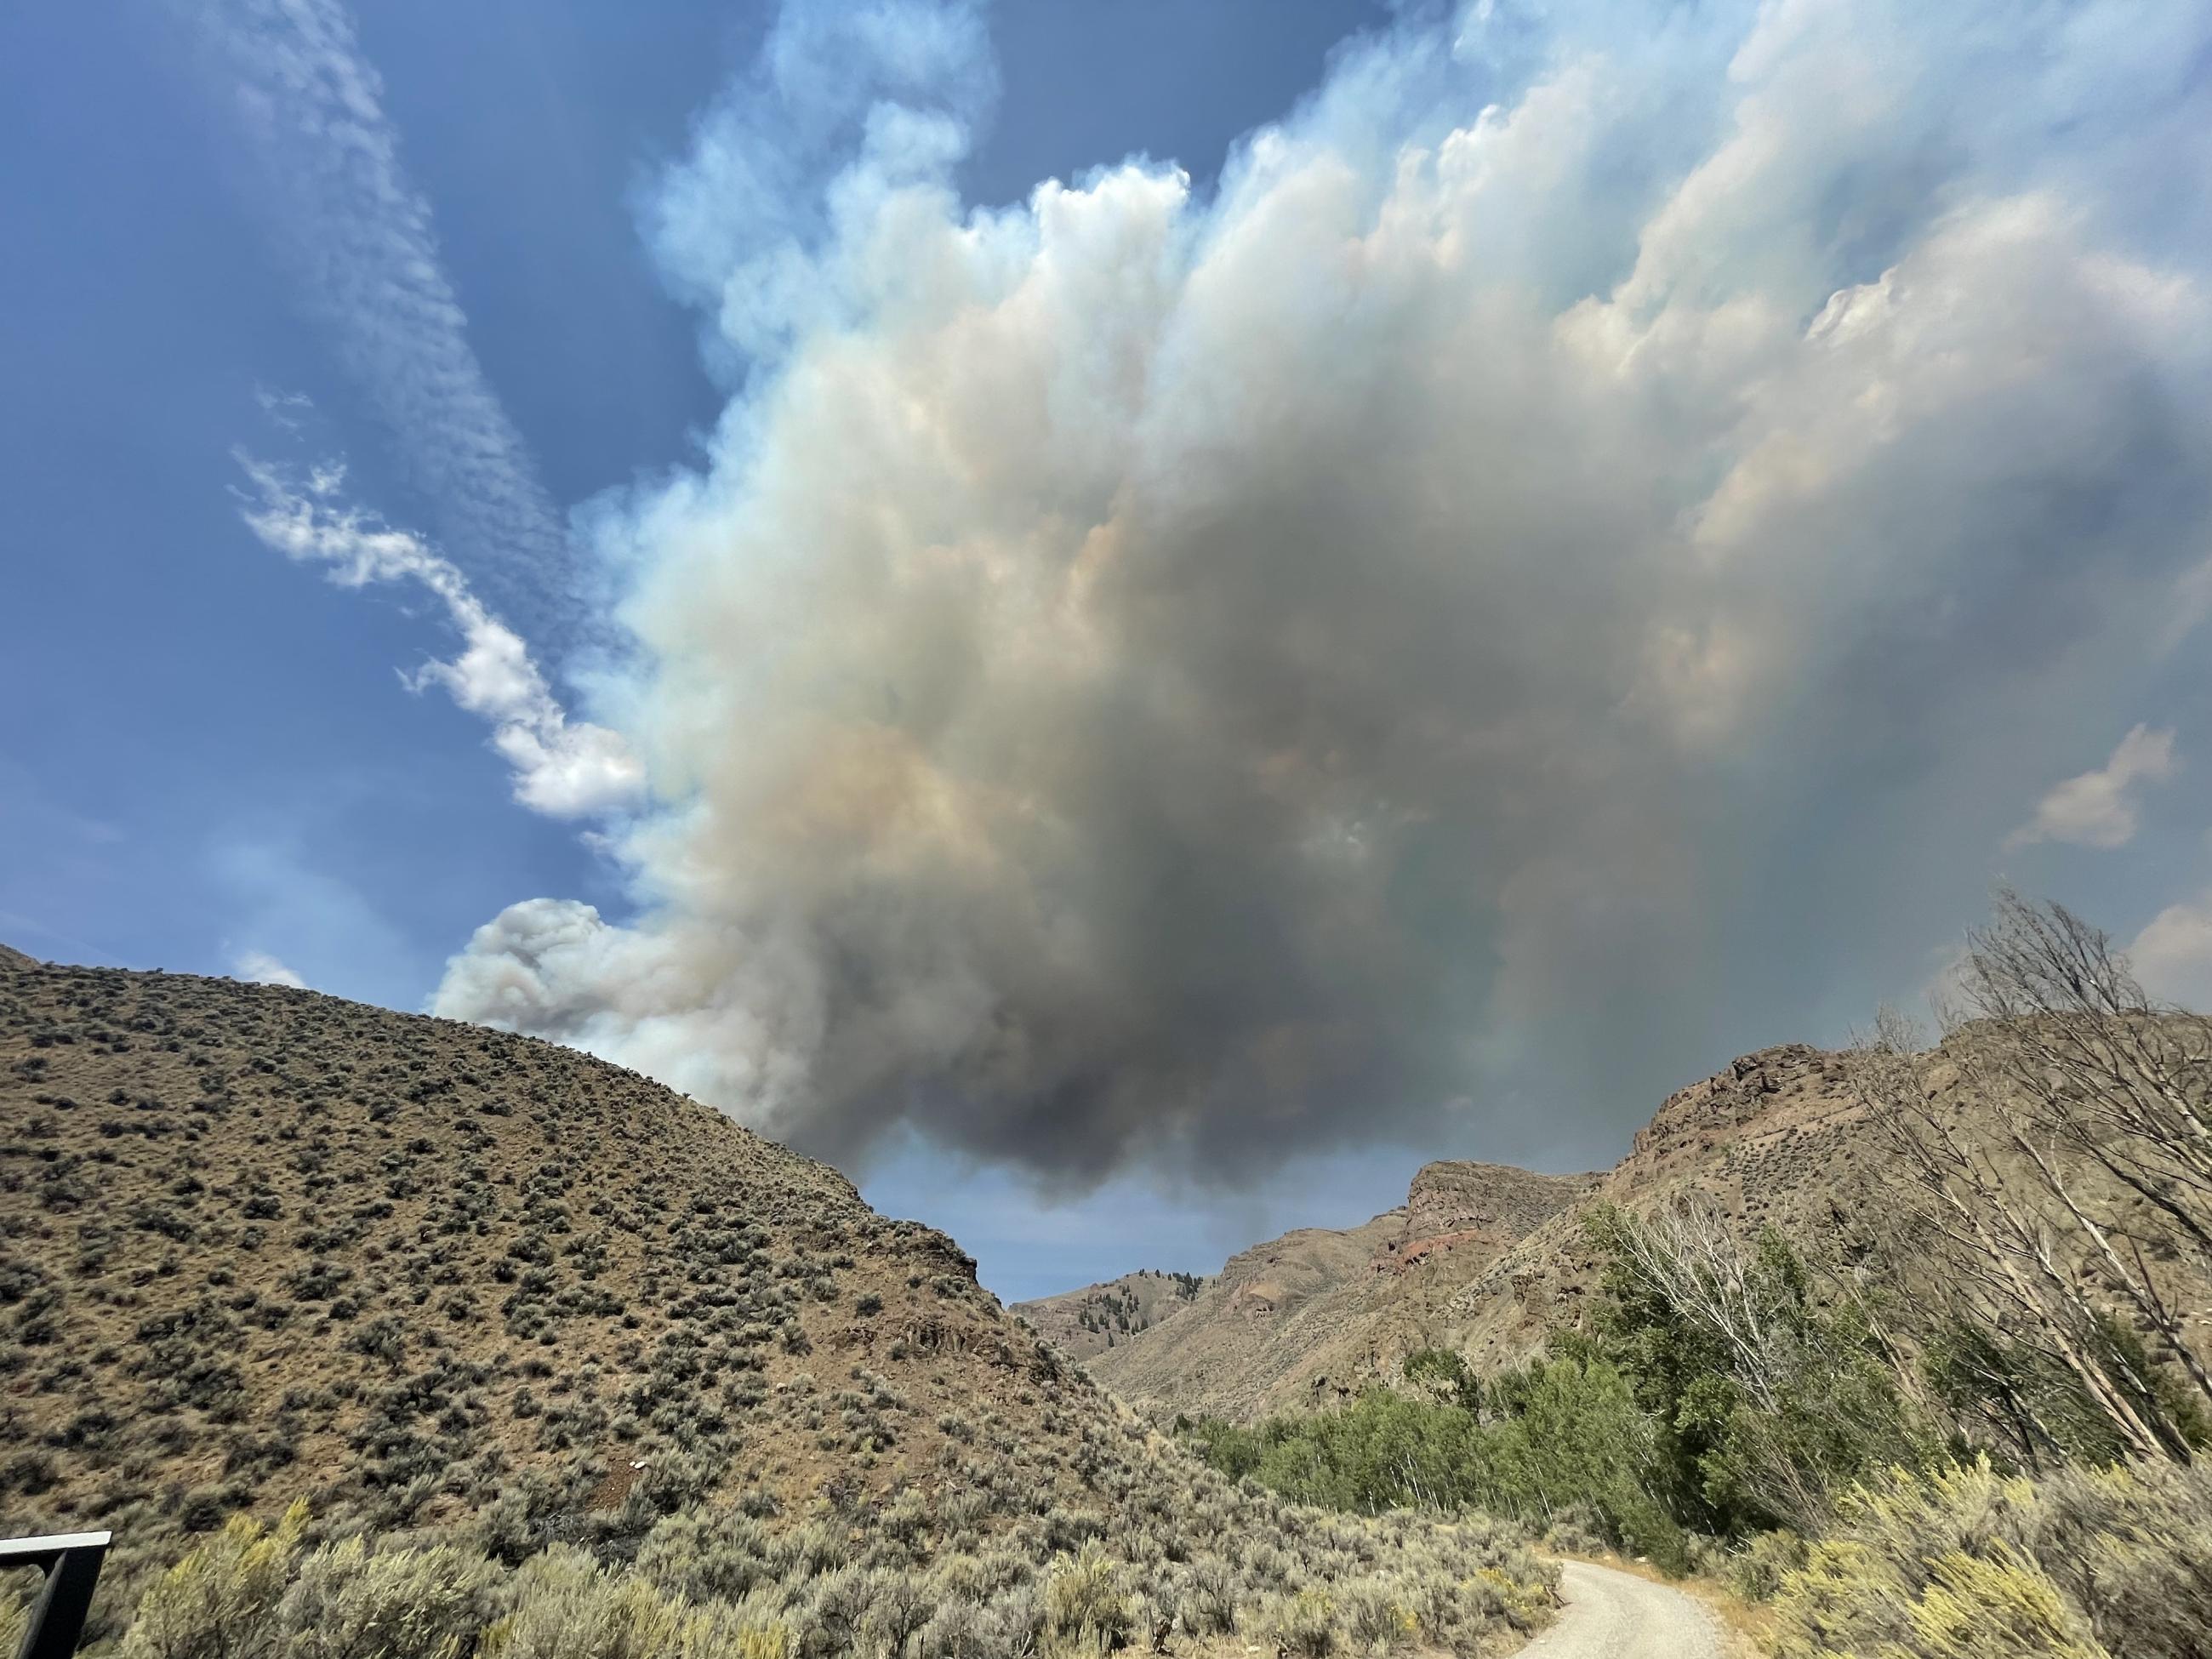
[{"x": 1132, "y": 711}]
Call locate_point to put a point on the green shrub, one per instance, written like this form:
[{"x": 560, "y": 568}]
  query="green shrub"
[
  {"x": 1441, "y": 1374},
  {"x": 1751, "y": 1435},
  {"x": 1206, "y": 1599},
  {"x": 901, "y": 1607},
  {"x": 347, "y": 1603},
  {"x": 706, "y": 1556},
  {"x": 1568, "y": 1435},
  {"x": 1083, "y": 1596},
  {"x": 1118, "y": 1540},
  {"x": 958, "y": 1630},
  {"x": 1966, "y": 1561},
  {"x": 1756, "y": 1571},
  {"x": 1304, "y": 1625},
  {"x": 1376, "y": 1616},
  {"x": 754, "y": 1628},
  {"x": 561, "y": 1605},
  {"x": 220, "y": 1601}
]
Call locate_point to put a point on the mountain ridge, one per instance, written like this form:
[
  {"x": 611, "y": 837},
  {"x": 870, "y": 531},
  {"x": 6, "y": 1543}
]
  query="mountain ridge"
[
  {"x": 1487, "y": 1258},
  {"x": 1092, "y": 1318},
  {"x": 1284, "y": 1298}
]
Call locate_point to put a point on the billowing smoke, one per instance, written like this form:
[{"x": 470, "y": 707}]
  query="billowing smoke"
[{"x": 1577, "y": 535}]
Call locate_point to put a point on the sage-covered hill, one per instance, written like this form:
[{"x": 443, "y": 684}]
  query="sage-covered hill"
[{"x": 506, "y": 1318}]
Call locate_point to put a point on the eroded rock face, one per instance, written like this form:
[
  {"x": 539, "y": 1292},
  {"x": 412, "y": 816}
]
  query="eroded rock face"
[
  {"x": 1492, "y": 1199},
  {"x": 1781, "y": 1090}
]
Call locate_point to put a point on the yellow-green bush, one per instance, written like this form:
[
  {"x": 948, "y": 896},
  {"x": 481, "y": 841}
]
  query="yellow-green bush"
[
  {"x": 220, "y": 1601},
  {"x": 14, "y": 1613},
  {"x": 1083, "y": 1596},
  {"x": 348, "y": 1602},
  {"x": 1965, "y": 1563},
  {"x": 1304, "y": 1625},
  {"x": 561, "y": 1605},
  {"x": 1376, "y": 1615},
  {"x": 1757, "y": 1571}
]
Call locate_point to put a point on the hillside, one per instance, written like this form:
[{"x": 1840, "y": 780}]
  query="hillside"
[
  {"x": 263, "y": 1244},
  {"x": 1086, "y": 1322},
  {"x": 1774, "y": 1137},
  {"x": 1300, "y": 1318},
  {"x": 258, "y": 1245}
]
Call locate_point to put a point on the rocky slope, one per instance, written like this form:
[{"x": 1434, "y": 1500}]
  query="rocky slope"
[
  {"x": 1250, "y": 1341},
  {"x": 1485, "y": 1258},
  {"x": 1775, "y": 1137},
  {"x": 1085, "y": 1323}
]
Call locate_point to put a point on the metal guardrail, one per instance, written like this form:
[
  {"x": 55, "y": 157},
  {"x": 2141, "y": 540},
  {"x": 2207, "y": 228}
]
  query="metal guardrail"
[{"x": 71, "y": 1563}]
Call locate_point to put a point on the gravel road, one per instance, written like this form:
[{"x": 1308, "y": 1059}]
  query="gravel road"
[{"x": 1616, "y": 1615}]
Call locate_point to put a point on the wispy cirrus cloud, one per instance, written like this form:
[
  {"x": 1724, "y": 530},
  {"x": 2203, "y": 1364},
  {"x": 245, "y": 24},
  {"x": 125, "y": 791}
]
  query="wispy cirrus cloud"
[
  {"x": 562, "y": 767},
  {"x": 2100, "y": 808},
  {"x": 359, "y": 238}
]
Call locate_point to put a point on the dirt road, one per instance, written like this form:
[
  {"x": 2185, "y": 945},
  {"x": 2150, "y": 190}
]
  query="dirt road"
[{"x": 1616, "y": 1615}]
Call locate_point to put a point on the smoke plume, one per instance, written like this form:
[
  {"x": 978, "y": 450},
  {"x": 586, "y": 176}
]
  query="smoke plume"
[{"x": 1581, "y": 530}]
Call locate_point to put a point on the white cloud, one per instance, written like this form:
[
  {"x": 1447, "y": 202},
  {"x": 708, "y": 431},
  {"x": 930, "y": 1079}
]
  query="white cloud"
[
  {"x": 279, "y": 897},
  {"x": 1163, "y": 676},
  {"x": 2173, "y": 955},
  {"x": 2098, "y": 808},
  {"x": 287, "y": 410},
  {"x": 562, "y": 767},
  {"x": 261, "y": 966},
  {"x": 359, "y": 237}
]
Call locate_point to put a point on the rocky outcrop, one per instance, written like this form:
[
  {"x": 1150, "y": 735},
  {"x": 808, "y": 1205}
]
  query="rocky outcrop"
[
  {"x": 1774, "y": 1095},
  {"x": 1492, "y": 1200}
]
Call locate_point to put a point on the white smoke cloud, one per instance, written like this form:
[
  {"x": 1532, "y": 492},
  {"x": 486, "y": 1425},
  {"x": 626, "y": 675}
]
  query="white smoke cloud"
[
  {"x": 1147, "y": 676},
  {"x": 266, "y": 970},
  {"x": 2098, "y": 808},
  {"x": 562, "y": 767}
]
